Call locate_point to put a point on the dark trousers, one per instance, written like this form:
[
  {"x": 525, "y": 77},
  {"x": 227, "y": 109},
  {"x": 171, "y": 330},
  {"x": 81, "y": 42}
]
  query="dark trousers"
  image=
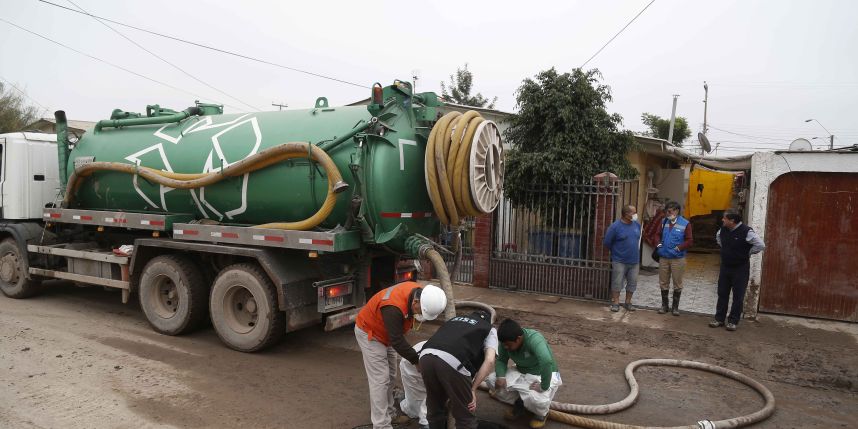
[
  {"x": 732, "y": 278},
  {"x": 443, "y": 383}
]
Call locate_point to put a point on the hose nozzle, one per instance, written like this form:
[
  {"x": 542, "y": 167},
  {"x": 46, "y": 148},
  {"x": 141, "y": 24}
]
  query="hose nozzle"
[{"x": 340, "y": 186}]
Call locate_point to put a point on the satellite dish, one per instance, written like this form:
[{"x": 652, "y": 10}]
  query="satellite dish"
[
  {"x": 704, "y": 142},
  {"x": 800, "y": 145}
]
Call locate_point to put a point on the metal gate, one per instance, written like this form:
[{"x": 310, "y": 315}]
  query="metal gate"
[
  {"x": 551, "y": 243},
  {"x": 466, "y": 265},
  {"x": 812, "y": 240}
]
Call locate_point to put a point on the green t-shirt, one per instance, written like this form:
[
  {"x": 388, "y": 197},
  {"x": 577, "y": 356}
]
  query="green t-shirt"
[{"x": 533, "y": 357}]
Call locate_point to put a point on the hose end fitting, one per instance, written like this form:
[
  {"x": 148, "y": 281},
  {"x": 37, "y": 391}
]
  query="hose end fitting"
[
  {"x": 417, "y": 247},
  {"x": 705, "y": 424},
  {"x": 340, "y": 186}
]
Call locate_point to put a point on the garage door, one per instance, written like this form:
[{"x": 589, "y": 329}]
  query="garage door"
[{"x": 809, "y": 265}]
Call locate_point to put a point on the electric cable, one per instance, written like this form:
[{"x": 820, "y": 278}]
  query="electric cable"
[
  {"x": 618, "y": 33},
  {"x": 201, "y": 45},
  {"x": 110, "y": 64},
  {"x": 163, "y": 59},
  {"x": 25, "y": 94}
]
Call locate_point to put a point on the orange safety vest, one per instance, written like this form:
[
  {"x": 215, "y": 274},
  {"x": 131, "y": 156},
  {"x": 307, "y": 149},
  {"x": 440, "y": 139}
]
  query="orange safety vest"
[{"x": 369, "y": 318}]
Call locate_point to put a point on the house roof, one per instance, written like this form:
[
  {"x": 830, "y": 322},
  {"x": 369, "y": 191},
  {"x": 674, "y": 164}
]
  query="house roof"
[
  {"x": 667, "y": 149},
  {"x": 80, "y": 125}
]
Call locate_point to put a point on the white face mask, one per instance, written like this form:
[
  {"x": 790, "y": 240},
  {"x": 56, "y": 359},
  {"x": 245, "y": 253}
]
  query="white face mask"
[
  {"x": 635, "y": 217},
  {"x": 671, "y": 218},
  {"x": 419, "y": 318}
]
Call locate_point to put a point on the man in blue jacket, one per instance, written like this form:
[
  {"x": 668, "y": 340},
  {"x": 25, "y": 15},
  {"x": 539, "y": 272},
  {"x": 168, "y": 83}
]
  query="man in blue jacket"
[
  {"x": 676, "y": 238},
  {"x": 623, "y": 240}
]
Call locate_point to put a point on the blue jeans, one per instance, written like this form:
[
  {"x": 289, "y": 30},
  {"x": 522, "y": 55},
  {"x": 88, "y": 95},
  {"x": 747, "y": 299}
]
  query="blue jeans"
[{"x": 627, "y": 272}]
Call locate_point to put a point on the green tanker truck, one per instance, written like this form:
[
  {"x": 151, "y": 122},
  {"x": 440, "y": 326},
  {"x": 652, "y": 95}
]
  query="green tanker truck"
[{"x": 262, "y": 223}]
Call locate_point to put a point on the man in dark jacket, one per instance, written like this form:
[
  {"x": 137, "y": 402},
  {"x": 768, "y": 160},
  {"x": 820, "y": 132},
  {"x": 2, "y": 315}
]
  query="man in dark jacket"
[
  {"x": 454, "y": 362},
  {"x": 738, "y": 242}
]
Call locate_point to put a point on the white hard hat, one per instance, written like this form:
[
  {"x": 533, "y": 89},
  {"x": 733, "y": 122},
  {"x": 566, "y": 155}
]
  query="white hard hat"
[{"x": 432, "y": 301}]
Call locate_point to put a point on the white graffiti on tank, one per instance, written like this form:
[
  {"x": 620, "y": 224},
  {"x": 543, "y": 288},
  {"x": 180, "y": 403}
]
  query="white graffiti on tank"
[{"x": 215, "y": 161}]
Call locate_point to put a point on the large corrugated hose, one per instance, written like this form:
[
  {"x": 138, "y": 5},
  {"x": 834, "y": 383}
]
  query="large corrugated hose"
[
  {"x": 559, "y": 411},
  {"x": 447, "y": 171},
  {"x": 265, "y": 158},
  {"x": 448, "y": 154}
]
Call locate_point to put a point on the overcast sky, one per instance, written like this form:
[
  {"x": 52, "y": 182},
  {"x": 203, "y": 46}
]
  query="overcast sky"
[{"x": 770, "y": 65}]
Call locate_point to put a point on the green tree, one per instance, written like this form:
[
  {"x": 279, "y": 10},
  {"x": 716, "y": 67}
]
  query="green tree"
[
  {"x": 15, "y": 114},
  {"x": 660, "y": 127},
  {"x": 460, "y": 88},
  {"x": 563, "y": 131}
]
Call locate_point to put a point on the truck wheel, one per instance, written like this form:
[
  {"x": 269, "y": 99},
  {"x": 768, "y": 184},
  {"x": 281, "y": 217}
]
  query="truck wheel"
[
  {"x": 173, "y": 294},
  {"x": 243, "y": 308},
  {"x": 13, "y": 280}
]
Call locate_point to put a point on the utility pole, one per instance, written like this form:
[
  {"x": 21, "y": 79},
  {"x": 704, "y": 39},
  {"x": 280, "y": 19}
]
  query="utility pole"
[
  {"x": 281, "y": 106},
  {"x": 672, "y": 119},
  {"x": 705, "y": 106},
  {"x": 415, "y": 76},
  {"x": 830, "y": 135}
]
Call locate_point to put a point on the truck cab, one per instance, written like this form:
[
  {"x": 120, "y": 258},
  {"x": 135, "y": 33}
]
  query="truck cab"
[{"x": 28, "y": 174}]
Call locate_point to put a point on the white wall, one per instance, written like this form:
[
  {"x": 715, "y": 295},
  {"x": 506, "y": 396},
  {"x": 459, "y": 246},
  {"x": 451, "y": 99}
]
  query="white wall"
[{"x": 765, "y": 168}]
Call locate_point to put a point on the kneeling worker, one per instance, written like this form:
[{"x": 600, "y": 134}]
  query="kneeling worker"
[
  {"x": 534, "y": 381},
  {"x": 380, "y": 331},
  {"x": 454, "y": 362}
]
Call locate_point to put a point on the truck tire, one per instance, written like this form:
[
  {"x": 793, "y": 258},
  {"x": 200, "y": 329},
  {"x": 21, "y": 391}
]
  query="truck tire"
[
  {"x": 13, "y": 280},
  {"x": 173, "y": 295},
  {"x": 244, "y": 310}
]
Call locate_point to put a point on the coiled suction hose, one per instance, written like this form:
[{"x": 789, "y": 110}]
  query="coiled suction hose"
[
  {"x": 254, "y": 162},
  {"x": 447, "y": 171},
  {"x": 448, "y": 154}
]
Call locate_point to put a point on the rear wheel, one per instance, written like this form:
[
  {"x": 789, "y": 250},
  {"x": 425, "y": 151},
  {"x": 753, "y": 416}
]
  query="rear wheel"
[
  {"x": 13, "y": 280},
  {"x": 243, "y": 307},
  {"x": 173, "y": 294}
]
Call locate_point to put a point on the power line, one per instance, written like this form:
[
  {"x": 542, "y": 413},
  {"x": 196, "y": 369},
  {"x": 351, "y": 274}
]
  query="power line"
[
  {"x": 200, "y": 45},
  {"x": 618, "y": 33},
  {"x": 812, "y": 84},
  {"x": 25, "y": 94},
  {"x": 161, "y": 58},
  {"x": 107, "y": 62},
  {"x": 747, "y": 135}
]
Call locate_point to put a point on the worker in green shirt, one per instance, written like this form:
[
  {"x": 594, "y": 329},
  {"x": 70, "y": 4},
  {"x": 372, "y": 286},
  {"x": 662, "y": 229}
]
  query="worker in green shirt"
[{"x": 533, "y": 381}]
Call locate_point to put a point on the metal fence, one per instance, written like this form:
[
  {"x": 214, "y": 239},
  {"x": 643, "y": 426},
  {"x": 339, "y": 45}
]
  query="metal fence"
[{"x": 549, "y": 242}]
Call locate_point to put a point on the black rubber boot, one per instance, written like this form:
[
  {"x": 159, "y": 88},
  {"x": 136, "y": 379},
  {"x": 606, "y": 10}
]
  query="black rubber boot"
[
  {"x": 676, "y": 295},
  {"x": 665, "y": 305}
]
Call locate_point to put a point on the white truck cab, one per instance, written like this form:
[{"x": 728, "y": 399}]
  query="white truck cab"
[{"x": 28, "y": 174}]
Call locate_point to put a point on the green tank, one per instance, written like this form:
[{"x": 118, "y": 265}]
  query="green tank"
[{"x": 378, "y": 149}]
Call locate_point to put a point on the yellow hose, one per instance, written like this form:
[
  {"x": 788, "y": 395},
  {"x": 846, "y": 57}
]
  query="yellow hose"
[
  {"x": 263, "y": 159},
  {"x": 448, "y": 155}
]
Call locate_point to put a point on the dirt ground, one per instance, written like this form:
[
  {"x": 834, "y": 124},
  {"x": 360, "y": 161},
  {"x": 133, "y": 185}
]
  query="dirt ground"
[{"x": 78, "y": 358}]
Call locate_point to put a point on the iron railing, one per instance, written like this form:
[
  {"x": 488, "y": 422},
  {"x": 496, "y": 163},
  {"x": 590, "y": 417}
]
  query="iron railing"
[{"x": 550, "y": 241}]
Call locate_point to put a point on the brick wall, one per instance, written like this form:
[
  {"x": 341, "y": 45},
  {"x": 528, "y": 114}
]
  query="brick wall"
[
  {"x": 604, "y": 213},
  {"x": 482, "y": 249}
]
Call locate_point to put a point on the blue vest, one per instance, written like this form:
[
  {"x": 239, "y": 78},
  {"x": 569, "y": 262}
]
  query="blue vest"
[{"x": 672, "y": 237}]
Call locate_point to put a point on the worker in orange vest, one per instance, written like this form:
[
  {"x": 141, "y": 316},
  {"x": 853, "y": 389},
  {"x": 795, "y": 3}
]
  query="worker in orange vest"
[{"x": 380, "y": 331}]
